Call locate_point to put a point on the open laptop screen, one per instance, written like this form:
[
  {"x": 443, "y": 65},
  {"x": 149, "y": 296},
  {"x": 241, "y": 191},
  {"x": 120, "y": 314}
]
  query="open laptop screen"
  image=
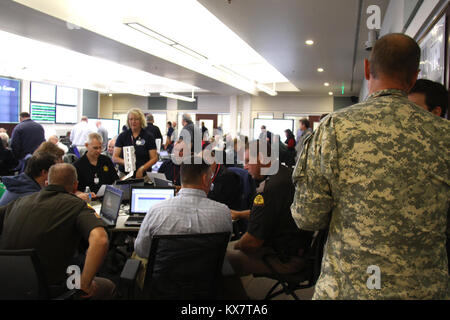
[
  {"x": 111, "y": 203},
  {"x": 142, "y": 199}
]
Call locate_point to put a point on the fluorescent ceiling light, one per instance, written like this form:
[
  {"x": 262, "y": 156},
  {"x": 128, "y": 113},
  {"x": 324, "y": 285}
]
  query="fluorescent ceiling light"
[
  {"x": 151, "y": 33},
  {"x": 319, "y": 69},
  {"x": 330, "y": 93},
  {"x": 326, "y": 84},
  {"x": 189, "y": 51},
  {"x": 176, "y": 96},
  {"x": 309, "y": 42},
  {"x": 29, "y": 59},
  {"x": 185, "y": 22},
  {"x": 266, "y": 89}
]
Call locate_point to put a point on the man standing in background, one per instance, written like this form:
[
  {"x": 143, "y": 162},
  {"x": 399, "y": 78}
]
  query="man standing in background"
[
  {"x": 26, "y": 136},
  {"x": 103, "y": 133},
  {"x": 79, "y": 134}
]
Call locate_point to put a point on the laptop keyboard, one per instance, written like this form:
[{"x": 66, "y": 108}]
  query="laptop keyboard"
[{"x": 138, "y": 219}]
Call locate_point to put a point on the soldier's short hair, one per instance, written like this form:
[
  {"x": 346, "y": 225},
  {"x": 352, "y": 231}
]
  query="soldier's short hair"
[
  {"x": 396, "y": 56},
  {"x": 436, "y": 95}
]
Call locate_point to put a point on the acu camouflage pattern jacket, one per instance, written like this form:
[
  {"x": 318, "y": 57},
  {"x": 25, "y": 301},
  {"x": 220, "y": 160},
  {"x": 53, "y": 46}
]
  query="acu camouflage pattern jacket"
[{"x": 378, "y": 174}]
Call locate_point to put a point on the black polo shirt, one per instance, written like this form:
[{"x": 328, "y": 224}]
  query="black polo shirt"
[
  {"x": 153, "y": 130},
  {"x": 226, "y": 188},
  {"x": 142, "y": 144},
  {"x": 52, "y": 221},
  {"x": 104, "y": 171},
  {"x": 270, "y": 216}
]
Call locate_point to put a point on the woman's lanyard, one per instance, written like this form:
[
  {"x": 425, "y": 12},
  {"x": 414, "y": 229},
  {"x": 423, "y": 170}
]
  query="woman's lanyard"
[
  {"x": 215, "y": 174},
  {"x": 138, "y": 140}
]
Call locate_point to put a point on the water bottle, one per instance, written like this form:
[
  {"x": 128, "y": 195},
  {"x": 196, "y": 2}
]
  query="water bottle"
[{"x": 88, "y": 192}]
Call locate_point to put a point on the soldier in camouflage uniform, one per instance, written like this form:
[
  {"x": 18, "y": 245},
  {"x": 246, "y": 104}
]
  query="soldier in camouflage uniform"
[{"x": 378, "y": 175}]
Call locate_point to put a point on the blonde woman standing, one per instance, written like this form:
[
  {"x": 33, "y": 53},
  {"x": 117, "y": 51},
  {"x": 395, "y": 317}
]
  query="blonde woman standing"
[{"x": 143, "y": 143}]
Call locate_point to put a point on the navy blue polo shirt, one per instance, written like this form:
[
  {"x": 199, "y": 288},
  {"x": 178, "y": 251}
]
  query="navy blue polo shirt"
[{"x": 142, "y": 144}]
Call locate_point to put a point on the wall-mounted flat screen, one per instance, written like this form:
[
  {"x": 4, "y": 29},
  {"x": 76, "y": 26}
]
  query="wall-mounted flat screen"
[
  {"x": 66, "y": 114},
  {"x": 66, "y": 96},
  {"x": 9, "y": 100},
  {"x": 276, "y": 126},
  {"x": 43, "y": 92},
  {"x": 43, "y": 113},
  {"x": 111, "y": 125}
]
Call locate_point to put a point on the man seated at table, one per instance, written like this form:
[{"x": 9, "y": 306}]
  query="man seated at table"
[
  {"x": 64, "y": 219},
  {"x": 189, "y": 212},
  {"x": 93, "y": 168},
  {"x": 271, "y": 228},
  {"x": 30, "y": 181}
]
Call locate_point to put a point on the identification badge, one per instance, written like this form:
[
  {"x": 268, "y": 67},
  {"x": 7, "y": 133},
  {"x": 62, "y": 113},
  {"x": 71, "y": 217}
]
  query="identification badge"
[
  {"x": 140, "y": 142},
  {"x": 96, "y": 179}
]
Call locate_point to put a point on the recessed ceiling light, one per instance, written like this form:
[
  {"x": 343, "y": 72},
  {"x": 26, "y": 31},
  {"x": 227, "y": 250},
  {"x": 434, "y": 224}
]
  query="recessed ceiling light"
[
  {"x": 319, "y": 69},
  {"x": 309, "y": 42},
  {"x": 330, "y": 93},
  {"x": 326, "y": 84}
]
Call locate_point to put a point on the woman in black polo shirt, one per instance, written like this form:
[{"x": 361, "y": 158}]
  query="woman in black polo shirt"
[{"x": 143, "y": 142}]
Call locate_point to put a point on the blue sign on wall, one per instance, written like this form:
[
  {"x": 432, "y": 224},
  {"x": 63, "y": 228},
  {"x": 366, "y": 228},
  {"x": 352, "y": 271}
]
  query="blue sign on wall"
[{"x": 9, "y": 100}]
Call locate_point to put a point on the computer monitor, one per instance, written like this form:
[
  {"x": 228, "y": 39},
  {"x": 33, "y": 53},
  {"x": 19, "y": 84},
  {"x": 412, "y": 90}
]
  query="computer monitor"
[
  {"x": 143, "y": 198},
  {"x": 111, "y": 204}
]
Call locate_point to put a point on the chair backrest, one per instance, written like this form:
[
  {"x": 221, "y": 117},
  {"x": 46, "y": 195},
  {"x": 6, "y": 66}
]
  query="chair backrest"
[
  {"x": 21, "y": 276},
  {"x": 185, "y": 267}
]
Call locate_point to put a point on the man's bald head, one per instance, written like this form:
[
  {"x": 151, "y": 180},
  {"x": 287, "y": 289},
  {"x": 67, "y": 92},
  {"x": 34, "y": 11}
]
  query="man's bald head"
[
  {"x": 395, "y": 56},
  {"x": 64, "y": 175}
]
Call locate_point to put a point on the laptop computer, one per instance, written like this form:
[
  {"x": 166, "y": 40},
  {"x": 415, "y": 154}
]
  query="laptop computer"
[
  {"x": 111, "y": 205},
  {"x": 126, "y": 185},
  {"x": 142, "y": 199}
]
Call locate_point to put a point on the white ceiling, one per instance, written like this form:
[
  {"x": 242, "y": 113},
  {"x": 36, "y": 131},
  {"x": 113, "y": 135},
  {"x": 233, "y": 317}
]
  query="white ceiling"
[{"x": 276, "y": 29}]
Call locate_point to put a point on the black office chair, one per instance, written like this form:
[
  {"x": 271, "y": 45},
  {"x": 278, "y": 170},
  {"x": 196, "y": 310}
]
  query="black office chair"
[
  {"x": 182, "y": 267},
  {"x": 306, "y": 278},
  {"x": 22, "y": 277}
]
